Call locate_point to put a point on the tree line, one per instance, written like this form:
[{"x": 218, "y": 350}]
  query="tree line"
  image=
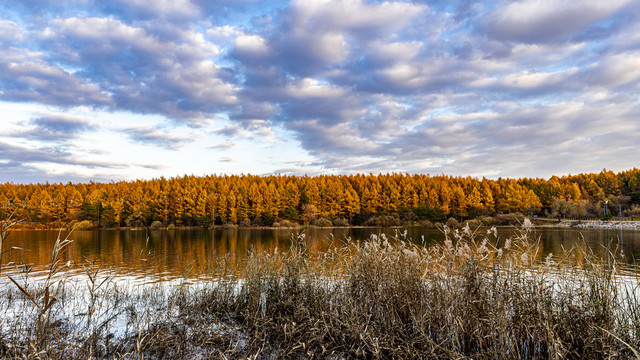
[{"x": 351, "y": 199}]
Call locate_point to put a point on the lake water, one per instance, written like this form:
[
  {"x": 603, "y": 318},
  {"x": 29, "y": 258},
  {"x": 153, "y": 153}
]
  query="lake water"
[{"x": 166, "y": 255}]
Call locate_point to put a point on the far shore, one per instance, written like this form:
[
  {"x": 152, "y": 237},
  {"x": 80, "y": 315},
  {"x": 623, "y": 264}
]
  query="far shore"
[
  {"x": 539, "y": 222},
  {"x": 601, "y": 224}
]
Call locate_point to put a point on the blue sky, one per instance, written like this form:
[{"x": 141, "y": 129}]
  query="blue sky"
[{"x": 136, "y": 89}]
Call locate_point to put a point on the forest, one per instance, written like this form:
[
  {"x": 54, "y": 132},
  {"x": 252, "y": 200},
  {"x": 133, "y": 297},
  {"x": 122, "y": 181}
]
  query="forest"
[{"x": 340, "y": 200}]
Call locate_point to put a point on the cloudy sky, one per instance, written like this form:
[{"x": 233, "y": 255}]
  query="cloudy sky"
[{"x": 136, "y": 89}]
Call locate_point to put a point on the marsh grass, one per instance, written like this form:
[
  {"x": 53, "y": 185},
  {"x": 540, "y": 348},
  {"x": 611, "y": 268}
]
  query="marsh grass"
[
  {"x": 473, "y": 296},
  {"x": 6, "y": 226}
]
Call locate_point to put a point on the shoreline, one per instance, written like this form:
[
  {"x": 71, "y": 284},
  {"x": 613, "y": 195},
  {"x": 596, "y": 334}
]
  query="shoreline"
[
  {"x": 599, "y": 224},
  {"x": 538, "y": 223}
]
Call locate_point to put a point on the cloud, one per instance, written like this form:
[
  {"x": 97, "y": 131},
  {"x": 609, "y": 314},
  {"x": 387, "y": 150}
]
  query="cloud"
[
  {"x": 228, "y": 144},
  {"x": 314, "y": 35},
  {"x": 512, "y": 141},
  {"x": 10, "y": 32},
  {"x": 59, "y": 127},
  {"x": 131, "y": 67},
  {"x": 62, "y": 124},
  {"x": 542, "y": 20},
  {"x": 177, "y": 10},
  {"x": 20, "y": 154},
  {"x": 25, "y": 75},
  {"x": 151, "y": 166},
  {"x": 248, "y": 129},
  {"x": 446, "y": 86},
  {"x": 352, "y": 109},
  {"x": 338, "y": 139},
  {"x": 615, "y": 71},
  {"x": 253, "y": 110},
  {"x": 232, "y": 130},
  {"x": 29, "y": 174},
  {"x": 27, "y": 164},
  {"x": 54, "y": 127},
  {"x": 152, "y": 135},
  {"x": 251, "y": 46}
]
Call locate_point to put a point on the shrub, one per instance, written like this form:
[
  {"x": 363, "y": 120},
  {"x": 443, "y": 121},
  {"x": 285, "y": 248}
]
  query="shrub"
[
  {"x": 323, "y": 222},
  {"x": 290, "y": 213},
  {"x": 134, "y": 221},
  {"x": 452, "y": 223},
  {"x": 245, "y": 223},
  {"x": 205, "y": 221},
  {"x": 285, "y": 224},
  {"x": 406, "y": 214},
  {"x": 479, "y": 211},
  {"x": 474, "y": 224},
  {"x": 155, "y": 225},
  {"x": 288, "y": 224},
  {"x": 230, "y": 225},
  {"x": 309, "y": 213},
  {"x": 509, "y": 219},
  {"x": 171, "y": 226},
  {"x": 265, "y": 219},
  {"x": 428, "y": 213},
  {"x": 383, "y": 221},
  {"x": 340, "y": 222},
  {"x": 84, "y": 225},
  {"x": 633, "y": 213}
]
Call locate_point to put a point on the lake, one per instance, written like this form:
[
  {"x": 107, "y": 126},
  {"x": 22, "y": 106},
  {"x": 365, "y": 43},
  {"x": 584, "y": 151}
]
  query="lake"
[{"x": 171, "y": 254}]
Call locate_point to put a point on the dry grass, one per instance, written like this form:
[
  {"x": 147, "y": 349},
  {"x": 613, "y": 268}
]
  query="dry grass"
[
  {"x": 473, "y": 296},
  {"x": 5, "y": 230}
]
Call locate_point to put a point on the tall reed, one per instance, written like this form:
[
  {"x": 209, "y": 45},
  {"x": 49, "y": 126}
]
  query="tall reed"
[
  {"x": 475, "y": 295},
  {"x": 6, "y": 226}
]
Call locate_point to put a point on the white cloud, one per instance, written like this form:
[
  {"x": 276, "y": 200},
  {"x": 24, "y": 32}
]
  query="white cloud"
[
  {"x": 10, "y": 32},
  {"x": 252, "y": 45},
  {"x": 501, "y": 89},
  {"x": 155, "y": 136},
  {"x": 311, "y": 88},
  {"x": 617, "y": 69},
  {"x": 166, "y": 8},
  {"x": 178, "y": 78},
  {"x": 543, "y": 20},
  {"x": 227, "y": 144},
  {"x": 26, "y": 76},
  {"x": 532, "y": 79},
  {"x": 397, "y": 51},
  {"x": 354, "y": 15}
]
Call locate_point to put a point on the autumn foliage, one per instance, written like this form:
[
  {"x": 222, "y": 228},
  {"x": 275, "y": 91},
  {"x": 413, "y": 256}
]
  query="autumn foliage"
[{"x": 261, "y": 200}]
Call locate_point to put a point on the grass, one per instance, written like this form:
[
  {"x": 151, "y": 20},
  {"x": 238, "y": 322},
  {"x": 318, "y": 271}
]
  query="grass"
[
  {"x": 473, "y": 296},
  {"x": 5, "y": 230}
]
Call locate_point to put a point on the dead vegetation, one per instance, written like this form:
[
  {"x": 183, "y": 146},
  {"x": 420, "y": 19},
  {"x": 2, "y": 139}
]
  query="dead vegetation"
[{"x": 472, "y": 296}]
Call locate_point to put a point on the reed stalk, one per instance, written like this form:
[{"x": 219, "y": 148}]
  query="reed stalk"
[
  {"x": 6, "y": 226},
  {"x": 475, "y": 295}
]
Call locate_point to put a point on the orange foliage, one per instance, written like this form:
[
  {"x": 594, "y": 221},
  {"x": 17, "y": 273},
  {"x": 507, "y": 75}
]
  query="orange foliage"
[{"x": 191, "y": 200}]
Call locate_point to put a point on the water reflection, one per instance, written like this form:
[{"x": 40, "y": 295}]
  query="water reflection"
[{"x": 193, "y": 253}]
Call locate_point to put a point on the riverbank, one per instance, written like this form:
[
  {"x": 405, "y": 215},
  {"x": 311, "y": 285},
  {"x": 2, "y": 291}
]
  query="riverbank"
[
  {"x": 502, "y": 220},
  {"x": 376, "y": 221},
  {"x": 599, "y": 224}
]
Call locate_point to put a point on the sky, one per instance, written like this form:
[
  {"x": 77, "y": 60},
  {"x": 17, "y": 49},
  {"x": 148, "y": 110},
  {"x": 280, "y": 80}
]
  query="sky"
[{"x": 94, "y": 90}]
